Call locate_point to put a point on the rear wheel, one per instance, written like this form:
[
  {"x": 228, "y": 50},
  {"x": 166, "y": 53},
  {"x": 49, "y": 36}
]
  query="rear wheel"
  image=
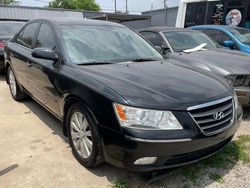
[
  {"x": 83, "y": 136},
  {"x": 15, "y": 90}
]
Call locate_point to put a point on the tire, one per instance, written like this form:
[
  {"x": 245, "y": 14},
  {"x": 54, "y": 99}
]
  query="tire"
[
  {"x": 15, "y": 90},
  {"x": 78, "y": 118}
]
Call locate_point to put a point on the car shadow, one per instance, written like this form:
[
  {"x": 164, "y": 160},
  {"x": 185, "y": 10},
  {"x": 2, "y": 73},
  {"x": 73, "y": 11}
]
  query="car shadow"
[
  {"x": 246, "y": 113},
  {"x": 105, "y": 170},
  {"x": 2, "y": 77}
]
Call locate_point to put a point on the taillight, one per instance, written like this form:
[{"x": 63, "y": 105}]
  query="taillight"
[{"x": 2, "y": 44}]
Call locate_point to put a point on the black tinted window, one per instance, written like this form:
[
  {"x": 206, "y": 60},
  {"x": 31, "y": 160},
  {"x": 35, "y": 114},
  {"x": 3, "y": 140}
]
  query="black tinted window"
[
  {"x": 218, "y": 36},
  {"x": 26, "y": 37},
  {"x": 154, "y": 38},
  {"x": 45, "y": 38}
]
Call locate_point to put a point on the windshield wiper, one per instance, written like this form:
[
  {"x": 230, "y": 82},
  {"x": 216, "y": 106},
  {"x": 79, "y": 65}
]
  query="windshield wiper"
[
  {"x": 197, "y": 48},
  {"x": 95, "y": 63},
  {"x": 142, "y": 59}
]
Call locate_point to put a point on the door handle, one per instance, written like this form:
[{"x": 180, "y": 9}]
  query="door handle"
[{"x": 29, "y": 64}]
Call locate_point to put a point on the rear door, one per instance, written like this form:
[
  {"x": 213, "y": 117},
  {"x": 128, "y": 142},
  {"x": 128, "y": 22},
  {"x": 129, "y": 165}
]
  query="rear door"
[
  {"x": 20, "y": 52},
  {"x": 43, "y": 73}
]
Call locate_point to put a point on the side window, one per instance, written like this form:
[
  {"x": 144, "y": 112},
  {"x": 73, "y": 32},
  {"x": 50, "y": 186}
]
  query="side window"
[
  {"x": 26, "y": 37},
  {"x": 218, "y": 36},
  {"x": 45, "y": 38},
  {"x": 154, "y": 38}
]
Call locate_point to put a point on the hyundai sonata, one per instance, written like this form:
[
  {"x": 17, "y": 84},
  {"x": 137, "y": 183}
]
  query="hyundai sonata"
[{"x": 118, "y": 99}]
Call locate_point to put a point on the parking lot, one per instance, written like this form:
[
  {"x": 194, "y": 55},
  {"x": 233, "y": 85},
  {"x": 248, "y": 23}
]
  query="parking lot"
[{"x": 34, "y": 153}]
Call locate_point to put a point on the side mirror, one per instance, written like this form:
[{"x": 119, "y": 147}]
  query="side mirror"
[
  {"x": 165, "y": 49},
  {"x": 44, "y": 53},
  {"x": 228, "y": 43}
]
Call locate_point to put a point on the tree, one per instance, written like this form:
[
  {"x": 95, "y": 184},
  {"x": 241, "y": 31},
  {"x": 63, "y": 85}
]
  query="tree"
[
  {"x": 75, "y": 4},
  {"x": 8, "y": 2}
]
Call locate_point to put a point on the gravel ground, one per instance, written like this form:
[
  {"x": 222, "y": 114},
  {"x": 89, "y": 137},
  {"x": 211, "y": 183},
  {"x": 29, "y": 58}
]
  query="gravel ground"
[{"x": 34, "y": 153}]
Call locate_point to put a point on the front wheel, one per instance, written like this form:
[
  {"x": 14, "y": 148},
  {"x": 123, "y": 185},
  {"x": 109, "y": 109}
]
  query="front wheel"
[
  {"x": 15, "y": 90},
  {"x": 83, "y": 136}
]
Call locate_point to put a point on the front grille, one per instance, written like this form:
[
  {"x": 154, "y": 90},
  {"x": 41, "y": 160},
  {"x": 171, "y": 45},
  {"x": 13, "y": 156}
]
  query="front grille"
[{"x": 214, "y": 117}]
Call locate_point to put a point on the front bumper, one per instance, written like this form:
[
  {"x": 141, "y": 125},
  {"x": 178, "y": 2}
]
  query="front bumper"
[
  {"x": 243, "y": 94},
  {"x": 179, "y": 149}
]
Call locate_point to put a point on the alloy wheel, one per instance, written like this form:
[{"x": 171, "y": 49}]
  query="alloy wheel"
[
  {"x": 12, "y": 82},
  {"x": 81, "y": 134}
]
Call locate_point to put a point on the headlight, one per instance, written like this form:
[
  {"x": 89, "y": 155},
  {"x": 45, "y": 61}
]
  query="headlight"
[
  {"x": 236, "y": 80},
  {"x": 146, "y": 119},
  {"x": 236, "y": 102}
]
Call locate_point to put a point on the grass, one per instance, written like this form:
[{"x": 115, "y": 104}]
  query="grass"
[
  {"x": 238, "y": 150},
  {"x": 191, "y": 173},
  {"x": 216, "y": 177},
  {"x": 235, "y": 151},
  {"x": 119, "y": 183}
]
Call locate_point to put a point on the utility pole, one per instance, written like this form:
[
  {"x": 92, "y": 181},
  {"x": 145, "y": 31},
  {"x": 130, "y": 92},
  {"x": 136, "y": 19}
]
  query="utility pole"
[
  {"x": 165, "y": 4},
  {"x": 115, "y": 6},
  {"x": 126, "y": 6}
]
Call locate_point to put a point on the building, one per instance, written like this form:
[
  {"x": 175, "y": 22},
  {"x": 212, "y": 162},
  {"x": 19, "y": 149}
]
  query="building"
[
  {"x": 24, "y": 13},
  {"x": 159, "y": 17},
  {"x": 199, "y": 12}
]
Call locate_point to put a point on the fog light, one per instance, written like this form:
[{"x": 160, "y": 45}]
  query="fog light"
[{"x": 145, "y": 161}]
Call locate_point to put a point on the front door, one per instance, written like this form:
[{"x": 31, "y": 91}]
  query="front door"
[{"x": 43, "y": 73}]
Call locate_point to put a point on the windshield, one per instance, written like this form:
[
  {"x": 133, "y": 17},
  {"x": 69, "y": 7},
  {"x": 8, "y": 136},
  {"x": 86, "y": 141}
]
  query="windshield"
[
  {"x": 86, "y": 44},
  {"x": 242, "y": 34},
  {"x": 184, "y": 40},
  {"x": 10, "y": 28}
]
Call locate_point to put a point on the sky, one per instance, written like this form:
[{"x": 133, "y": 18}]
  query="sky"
[{"x": 134, "y": 6}]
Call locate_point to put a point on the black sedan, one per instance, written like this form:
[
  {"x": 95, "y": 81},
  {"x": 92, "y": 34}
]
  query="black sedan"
[
  {"x": 7, "y": 30},
  {"x": 118, "y": 99},
  {"x": 195, "y": 49}
]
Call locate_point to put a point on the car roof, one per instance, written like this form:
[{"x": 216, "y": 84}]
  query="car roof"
[
  {"x": 78, "y": 21},
  {"x": 164, "y": 29},
  {"x": 213, "y": 26}
]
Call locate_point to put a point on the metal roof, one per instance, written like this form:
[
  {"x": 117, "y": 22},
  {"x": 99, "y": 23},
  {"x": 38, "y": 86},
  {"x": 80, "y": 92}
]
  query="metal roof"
[
  {"x": 119, "y": 17},
  {"x": 27, "y": 13}
]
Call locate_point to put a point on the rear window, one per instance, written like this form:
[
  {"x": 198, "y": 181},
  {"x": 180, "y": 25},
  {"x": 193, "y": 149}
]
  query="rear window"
[{"x": 10, "y": 28}]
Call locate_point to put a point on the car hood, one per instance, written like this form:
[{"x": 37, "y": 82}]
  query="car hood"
[
  {"x": 159, "y": 85},
  {"x": 219, "y": 61}
]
